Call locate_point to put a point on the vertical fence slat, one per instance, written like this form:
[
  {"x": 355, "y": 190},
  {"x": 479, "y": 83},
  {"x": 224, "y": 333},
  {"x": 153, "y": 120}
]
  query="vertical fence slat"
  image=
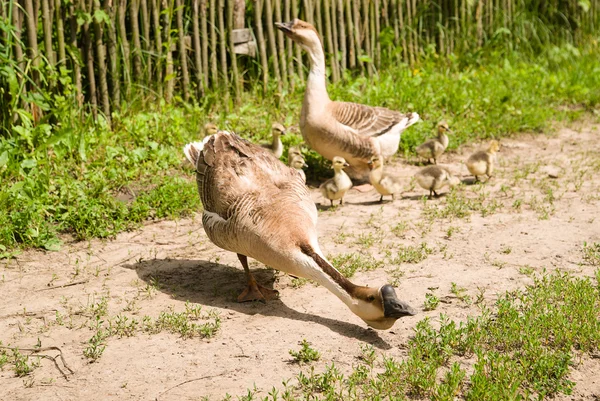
[
  {"x": 223, "y": 51},
  {"x": 147, "y": 41},
  {"x": 60, "y": 32},
  {"x": 272, "y": 42},
  {"x": 197, "y": 47},
  {"x": 185, "y": 77},
  {"x": 47, "y": 30},
  {"x": 281, "y": 45},
  {"x": 299, "y": 67},
  {"x": 124, "y": 45},
  {"x": 115, "y": 78},
  {"x": 237, "y": 85},
  {"x": 135, "y": 37},
  {"x": 342, "y": 33},
  {"x": 158, "y": 47}
]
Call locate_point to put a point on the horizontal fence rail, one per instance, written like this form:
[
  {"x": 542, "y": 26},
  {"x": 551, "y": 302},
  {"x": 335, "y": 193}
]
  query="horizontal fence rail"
[{"x": 187, "y": 48}]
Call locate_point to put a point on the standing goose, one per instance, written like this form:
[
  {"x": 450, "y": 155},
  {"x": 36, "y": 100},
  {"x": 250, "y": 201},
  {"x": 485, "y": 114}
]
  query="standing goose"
[
  {"x": 353, "y": 131},
  {"x": 298, "y": 163},
  {"x": 335, "y": 188},
  {"x": 482, "y": 162},
  {"x": 433, "y": 148},
  {"x": 384, "y": 183},
  {"x": 434, "y": 178},
  {"x": 257, "y": 207},
  {"x": 276, "y": 147}
]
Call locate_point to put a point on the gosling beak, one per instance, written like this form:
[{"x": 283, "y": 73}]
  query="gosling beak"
[
  {"x": 285, "y": 27},
  {"x": 304, "y": 165},
  {"x": 370, "y": 164},
  {"x": 346, "y": 164},
  {"x": 392, "y": 306}
]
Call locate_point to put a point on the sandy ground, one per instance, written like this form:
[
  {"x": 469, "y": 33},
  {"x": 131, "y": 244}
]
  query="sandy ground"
[{"x": 530, "y": 222}]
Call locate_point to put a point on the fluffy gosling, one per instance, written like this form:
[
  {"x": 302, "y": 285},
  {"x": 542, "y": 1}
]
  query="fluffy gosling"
[
  {"x": 433, "y": 148},
  {"x": 298, "y": 163},
  {"x": 335, "y": 188},
  {"x": 210, "y": 129},
  {"x": 385, "y": 184},
  {"x": 482, "y": 162},
  {"x": 276, "y": 147},
  {"x": 293, "y": 151},
  {"x": 434, "y": 178}
]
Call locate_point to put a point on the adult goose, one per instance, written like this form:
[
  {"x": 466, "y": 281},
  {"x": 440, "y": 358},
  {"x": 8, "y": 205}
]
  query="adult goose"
[
  {"x": 257, "y": 207},
  {"x": 353, "y": 131}
]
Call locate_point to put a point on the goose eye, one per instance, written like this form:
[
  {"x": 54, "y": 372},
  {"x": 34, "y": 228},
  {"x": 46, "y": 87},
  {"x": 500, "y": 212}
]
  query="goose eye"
[{"x": 371, "y": 298}]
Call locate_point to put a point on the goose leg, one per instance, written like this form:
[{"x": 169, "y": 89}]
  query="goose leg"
[
  {"x": 254, "y": 291},
  {"x": 431, "y": 194},
  {"x": 381, "y": 199}
]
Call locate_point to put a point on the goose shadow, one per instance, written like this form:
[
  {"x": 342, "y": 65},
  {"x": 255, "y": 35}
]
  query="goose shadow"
[
  {"x": 209, "y": 283},
  {"x": 469, "y": 181},
  {"x": 420, "y": 197}
]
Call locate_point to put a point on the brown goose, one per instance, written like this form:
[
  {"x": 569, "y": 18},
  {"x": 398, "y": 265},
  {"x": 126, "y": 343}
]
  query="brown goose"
[
  {"x": 257, "y": 207},
  {"x": 353, "y": 131}
]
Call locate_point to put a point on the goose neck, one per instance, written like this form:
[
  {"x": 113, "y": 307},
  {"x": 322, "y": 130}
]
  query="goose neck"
[{"x": 321, "y": 271}]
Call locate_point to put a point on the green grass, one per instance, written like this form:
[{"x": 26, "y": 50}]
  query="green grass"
[
  {"x": 306, "y": 354},
  {"x": 350, "y": 263},
  {"x": 523, "y": 347},
  {"x": 69, "y": 174}
]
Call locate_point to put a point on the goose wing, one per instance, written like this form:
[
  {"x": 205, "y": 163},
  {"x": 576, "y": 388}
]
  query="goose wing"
[
  {"x": 370, "y": 121},
  {"x": 246, "y": 193}
]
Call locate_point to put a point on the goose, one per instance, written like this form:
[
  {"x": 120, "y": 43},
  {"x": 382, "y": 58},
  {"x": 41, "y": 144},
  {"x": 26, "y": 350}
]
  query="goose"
[
  {"x": 298, "y": 163},
  {"x": 335, "y": 188},
  {"x": 433, "y": 148},
  {"x": 210, "y": 129},
  {"x": 353, "y": 131},
  {"x": 385, "y": 184},
  {"x": 276, "y": 147},
  {"x": 434, "y": 178},
  {"x": 482, "y": 162},
  {"x": 257, "y": 207}
]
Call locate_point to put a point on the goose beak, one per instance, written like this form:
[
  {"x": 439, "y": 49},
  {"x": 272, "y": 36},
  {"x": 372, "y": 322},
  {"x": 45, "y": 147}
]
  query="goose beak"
[
  {"x": 392, "y": 306},
  {"x": 370, "y": 164},
  {"x": 346, "y": 164},
  {"x": 305, "y": 165},
  {"x": 285, "y": 27}
]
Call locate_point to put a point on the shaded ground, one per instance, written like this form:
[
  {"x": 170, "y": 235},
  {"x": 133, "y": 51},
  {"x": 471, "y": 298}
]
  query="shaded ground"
[{"x": 485, "y": 239}]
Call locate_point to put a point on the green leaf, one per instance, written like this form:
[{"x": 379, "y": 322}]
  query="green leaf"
[
  {"x": 3, "y": 158},
  {"x": 585, "y": 5},
  {"x": 53, "y": 244},
  {"x": 101, "y": 16},
  {"x": 29, "y": 163}
]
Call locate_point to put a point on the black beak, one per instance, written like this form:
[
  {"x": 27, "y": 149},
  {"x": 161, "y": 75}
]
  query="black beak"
[
  {"x": 346, "y": 165},
  {"x": 285, "y": 27},
  {"x": 392, "y": 306}
]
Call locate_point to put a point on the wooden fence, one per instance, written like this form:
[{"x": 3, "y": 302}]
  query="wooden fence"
[{"x": 187, "y": 48}]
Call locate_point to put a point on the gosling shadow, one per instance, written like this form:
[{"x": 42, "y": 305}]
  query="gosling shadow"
[{"x": 214, "y": 284}]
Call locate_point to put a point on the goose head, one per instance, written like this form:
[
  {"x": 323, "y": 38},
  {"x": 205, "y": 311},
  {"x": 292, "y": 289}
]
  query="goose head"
[
  {"x": 338, "y": 163},
  {"x": 442, "y": 127},
  {"x": 453, "y": 180},
  {"x": 375, "y": 162},
  {"x": 298, "y": 162},
  {"x": 210, "y": 129},
  {"x": 277, "y": 129},
  {"x": 379, "y": 307},
  {"x": 494, "y": 146},
  {"x": 302, "y": 33}
]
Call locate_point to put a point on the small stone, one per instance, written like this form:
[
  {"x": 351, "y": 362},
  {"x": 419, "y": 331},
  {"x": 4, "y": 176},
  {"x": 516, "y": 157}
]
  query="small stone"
[{"x": 552, "y": 171}]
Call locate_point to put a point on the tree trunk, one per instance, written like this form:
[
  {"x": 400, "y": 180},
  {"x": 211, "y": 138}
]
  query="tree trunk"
[
  {"x": 182, "y": 52},
  {"x": 100, "y": 52}
]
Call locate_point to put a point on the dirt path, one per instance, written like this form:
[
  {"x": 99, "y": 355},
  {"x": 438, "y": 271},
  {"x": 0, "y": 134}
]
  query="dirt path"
[{"x": 486, "y": 239}]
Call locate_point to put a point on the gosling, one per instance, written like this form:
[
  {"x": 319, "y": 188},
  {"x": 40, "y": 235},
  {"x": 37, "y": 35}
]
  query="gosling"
[
  {"x": 385, "y": 184},
  {"x": 276, "y": 147},
  {"x": 433, "y": 148},
  {"x": 210, "y": 129},
  {"x": 293, "y": 151},
  {"x": 434, "y": 178},
  {"x": 335, "y": 188},
  {"x": 298, "y": 163},
  {"x": 482, "y": 162}
]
